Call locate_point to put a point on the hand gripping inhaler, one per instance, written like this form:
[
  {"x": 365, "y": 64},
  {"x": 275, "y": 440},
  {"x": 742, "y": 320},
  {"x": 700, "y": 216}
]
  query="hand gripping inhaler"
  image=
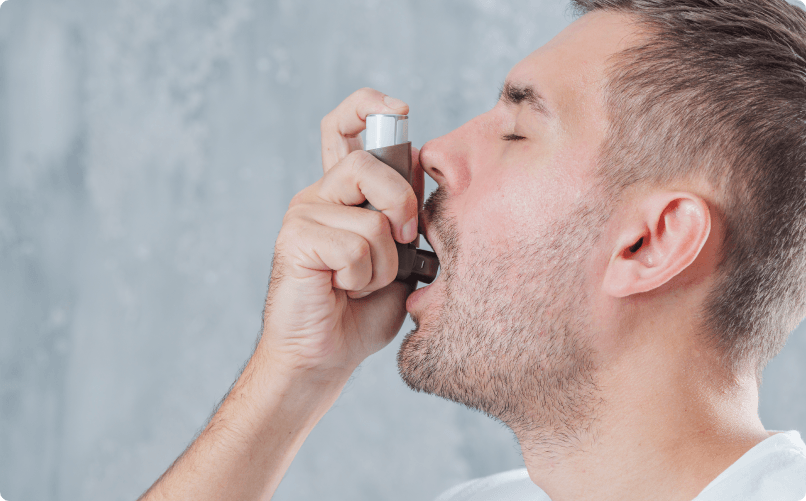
[{"x": 388, "y": 141}]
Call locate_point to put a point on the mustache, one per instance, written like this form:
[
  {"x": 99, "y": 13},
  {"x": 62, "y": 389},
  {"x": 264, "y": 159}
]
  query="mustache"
[
  {"x": 434, "y": 207},
  {"x": 443, "y": 225}
]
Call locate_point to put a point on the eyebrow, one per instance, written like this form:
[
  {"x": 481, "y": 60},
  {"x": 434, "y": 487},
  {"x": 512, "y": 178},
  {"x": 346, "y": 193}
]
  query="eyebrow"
[{"x": 512, "y": 93}]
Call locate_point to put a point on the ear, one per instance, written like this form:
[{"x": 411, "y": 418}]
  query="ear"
[{"x": 657, "y": 241}]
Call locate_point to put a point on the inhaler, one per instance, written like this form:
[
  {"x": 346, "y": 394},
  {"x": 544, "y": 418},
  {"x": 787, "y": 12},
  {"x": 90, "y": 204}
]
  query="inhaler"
[{"x": 387, "y": 139}]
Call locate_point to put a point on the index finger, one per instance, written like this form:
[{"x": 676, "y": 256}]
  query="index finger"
[
  {"x": 362, "y": 177},
  {"x": 342, "y": 126}
]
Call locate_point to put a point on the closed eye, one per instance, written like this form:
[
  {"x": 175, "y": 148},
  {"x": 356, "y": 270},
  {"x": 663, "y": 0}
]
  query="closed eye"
[{"x": 513, "y": 137}]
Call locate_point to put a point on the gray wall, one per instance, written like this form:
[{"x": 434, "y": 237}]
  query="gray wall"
[{"x": 148, "y": 149}]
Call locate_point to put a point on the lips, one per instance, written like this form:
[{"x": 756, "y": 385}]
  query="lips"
[{"x": 430, "y": 237}]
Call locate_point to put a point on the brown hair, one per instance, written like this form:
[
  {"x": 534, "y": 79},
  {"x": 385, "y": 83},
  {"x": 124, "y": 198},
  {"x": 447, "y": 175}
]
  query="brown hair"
[{"x": 716, "y": 90}]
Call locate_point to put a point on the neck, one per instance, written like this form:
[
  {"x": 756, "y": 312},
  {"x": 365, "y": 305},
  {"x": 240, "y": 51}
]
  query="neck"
[{"x": 667, "y": 426}]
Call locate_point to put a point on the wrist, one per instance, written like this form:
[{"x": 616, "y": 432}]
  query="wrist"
[
  {"x": 274, "y": 393},
  {"x": 302, "y": 357}
]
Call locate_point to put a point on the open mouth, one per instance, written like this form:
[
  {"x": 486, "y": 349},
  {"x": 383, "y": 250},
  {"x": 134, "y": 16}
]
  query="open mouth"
[
  {"x": 431, "y": 257},
  {"x": 425, "y": 266},
  {"x": 432, "y": 277}
]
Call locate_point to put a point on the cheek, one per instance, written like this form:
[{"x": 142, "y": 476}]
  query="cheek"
[{"x": 511, "y": 207}]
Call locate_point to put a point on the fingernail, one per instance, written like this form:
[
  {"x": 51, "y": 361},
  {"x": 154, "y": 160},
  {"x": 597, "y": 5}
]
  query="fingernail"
[
  {"x": 393, "y": 103},
  {"x": 410, "y": 230},
  {"x": 361, "y": 295}
]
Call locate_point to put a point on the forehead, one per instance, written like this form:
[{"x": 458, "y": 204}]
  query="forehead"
[{"x": 569, "y": 71}]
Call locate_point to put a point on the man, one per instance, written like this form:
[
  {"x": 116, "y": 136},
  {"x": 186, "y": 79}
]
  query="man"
[{"x": 622, "y": 240}]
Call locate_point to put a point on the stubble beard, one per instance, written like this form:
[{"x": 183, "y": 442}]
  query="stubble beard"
[{"x": 512, "y": 335}]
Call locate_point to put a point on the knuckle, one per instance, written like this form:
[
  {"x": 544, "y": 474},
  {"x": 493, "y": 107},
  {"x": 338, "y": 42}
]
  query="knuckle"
[
  {"x": 293, "y": 213},
  {"x": 282, "y": 242},
  {"x": 378, "y": 224},
  {"x": 326, "y": 122},
  {"x": 365, "y": 92},
  {"x": 306, "y": 194},
  {"x": 360, "y": 161},
  {"x": 296, "y": 200},
  {"x": 290, "y": 231},
  {"x": 404, "y": 197},
  {"x": 358, "y": 250}
]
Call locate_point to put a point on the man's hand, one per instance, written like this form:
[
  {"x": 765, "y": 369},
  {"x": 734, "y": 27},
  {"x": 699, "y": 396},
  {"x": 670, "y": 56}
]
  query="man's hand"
[{"x": 332, "y": 302}]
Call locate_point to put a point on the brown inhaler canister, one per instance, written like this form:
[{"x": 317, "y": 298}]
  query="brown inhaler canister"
[{"x": 413, "y": 264}]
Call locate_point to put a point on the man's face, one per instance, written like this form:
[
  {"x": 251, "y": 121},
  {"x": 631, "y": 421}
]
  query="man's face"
[{"x": 506, "y": 328}]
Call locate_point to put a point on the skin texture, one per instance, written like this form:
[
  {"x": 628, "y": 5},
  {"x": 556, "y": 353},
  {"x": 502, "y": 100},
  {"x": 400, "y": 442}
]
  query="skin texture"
[
  {"x": 513, "y": 334},
  {"x": 569, "y": 316}
]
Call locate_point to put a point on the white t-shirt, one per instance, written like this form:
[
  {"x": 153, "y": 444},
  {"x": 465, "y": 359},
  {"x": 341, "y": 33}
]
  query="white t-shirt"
[{"x": 775, "y": 469}]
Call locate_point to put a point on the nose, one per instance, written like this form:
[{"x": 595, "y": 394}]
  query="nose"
[{"x": 447, "y": 159}]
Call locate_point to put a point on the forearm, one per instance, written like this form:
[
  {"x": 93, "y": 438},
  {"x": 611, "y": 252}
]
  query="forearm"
[
  {"x": 250, "y": 442},
  {"x": 332, "y": 303}
]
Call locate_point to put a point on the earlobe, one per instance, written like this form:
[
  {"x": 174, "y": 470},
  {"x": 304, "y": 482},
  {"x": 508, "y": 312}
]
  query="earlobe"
[{"x": 657, "y": 242}]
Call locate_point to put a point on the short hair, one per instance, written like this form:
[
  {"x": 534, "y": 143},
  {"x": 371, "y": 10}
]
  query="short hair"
[{"x": 716, "y": 90}]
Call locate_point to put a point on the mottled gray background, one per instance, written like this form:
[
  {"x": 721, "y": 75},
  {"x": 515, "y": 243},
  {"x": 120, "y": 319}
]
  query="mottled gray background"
[{"x": 148, "y": 149}]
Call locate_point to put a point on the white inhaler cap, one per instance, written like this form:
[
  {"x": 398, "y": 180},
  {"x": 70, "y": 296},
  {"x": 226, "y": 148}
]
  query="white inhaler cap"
[{"x": 386, "y": 130}]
